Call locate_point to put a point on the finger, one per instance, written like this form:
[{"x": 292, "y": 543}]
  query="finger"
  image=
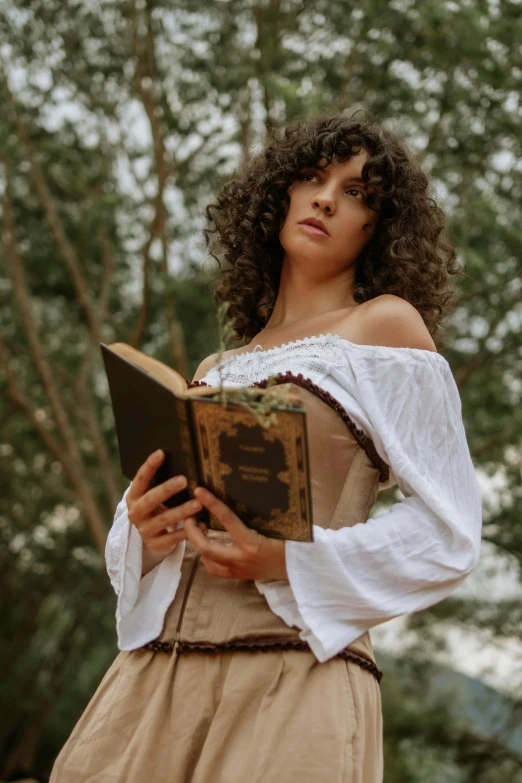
[
  {"x": 157, "y": 495},
  {"x": 169, "y": 518},
  {"x": 147, "y": 506},
  {"x": 166, "y": 541},
  {"x": 143, "y": 500},
  {"x": 178, "y": 526},
  {"x": 181, "y": 526},
  {"x": 230, "y": 521},
  {"x": 195, "y": 535},
  {"x": 223, "y": 555},
  {"x": 201, "y": 525},
  {"x": 141, "y": 481},
  {"x": 216, "y": 569}
]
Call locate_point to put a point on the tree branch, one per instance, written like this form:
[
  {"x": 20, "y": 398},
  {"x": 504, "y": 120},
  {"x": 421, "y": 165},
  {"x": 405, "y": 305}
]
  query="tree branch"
[
  {"x": 145, "y": 81},
  {"x": 53, "y": 218},
  {"x": 71, "y": 460}
]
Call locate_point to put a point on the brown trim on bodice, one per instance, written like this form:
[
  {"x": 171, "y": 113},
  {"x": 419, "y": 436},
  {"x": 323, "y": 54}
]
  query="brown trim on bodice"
[
  {"x": 364, "y": 440},
  {"x": 265, "y": 645},
  {"x": 259, "y": 645}
]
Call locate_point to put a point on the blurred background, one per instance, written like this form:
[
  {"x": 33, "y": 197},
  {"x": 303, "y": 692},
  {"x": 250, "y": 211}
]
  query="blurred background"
[{"x": 118, "y": 118}]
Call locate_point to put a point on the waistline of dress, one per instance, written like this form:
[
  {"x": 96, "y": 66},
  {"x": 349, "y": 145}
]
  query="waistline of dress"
[{"x": 258, "y": 645}]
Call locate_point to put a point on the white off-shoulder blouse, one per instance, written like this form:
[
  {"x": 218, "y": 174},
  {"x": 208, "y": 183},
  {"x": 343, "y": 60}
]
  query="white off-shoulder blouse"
[{"x": 349, "y": 580}]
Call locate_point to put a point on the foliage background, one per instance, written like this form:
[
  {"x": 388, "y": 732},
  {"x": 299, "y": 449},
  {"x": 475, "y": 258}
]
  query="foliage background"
[{"x": 118, "y": 119}]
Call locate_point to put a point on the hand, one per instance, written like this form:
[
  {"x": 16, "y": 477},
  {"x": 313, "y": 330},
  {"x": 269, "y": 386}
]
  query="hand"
[
  {"x": 154, "y": 521},
  {"x": 250, "y": 555}
]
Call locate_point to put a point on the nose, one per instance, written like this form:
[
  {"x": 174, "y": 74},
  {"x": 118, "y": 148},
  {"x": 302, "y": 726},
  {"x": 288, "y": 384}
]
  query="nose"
[{"x": 324, "y": 200}]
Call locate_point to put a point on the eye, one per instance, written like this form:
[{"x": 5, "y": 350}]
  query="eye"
[
  {"x": 306, "y": 177},
  {"x": 359, "y": 192}
]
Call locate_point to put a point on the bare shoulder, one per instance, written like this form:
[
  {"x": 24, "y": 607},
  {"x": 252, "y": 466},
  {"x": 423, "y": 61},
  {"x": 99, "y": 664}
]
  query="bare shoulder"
[
  {"x": 391, "y": 321},
  {"x": 207, "y": 364}
]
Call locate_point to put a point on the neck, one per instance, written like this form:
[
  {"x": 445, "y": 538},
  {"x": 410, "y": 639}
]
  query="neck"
[{"x": 302, "y": 297}]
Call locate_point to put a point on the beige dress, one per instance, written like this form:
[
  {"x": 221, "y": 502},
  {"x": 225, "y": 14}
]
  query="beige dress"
[{"x": 229, "y": 693}]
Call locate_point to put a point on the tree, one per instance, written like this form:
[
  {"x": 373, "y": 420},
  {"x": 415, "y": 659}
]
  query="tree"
[{"x": 118, "y": 122}]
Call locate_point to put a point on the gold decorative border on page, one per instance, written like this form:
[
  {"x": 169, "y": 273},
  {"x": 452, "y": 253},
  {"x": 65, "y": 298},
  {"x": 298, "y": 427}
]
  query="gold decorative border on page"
[{"x": 214, "y": 419}]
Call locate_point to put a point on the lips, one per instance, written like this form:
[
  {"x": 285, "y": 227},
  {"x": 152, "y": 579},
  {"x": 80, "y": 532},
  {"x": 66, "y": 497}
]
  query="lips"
[{"x": 314, "y": 222}]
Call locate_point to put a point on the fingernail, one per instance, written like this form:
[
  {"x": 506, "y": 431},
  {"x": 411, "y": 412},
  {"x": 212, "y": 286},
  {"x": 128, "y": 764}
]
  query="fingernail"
[
  {"x": 157, "y": 455},
  {"x": 194, "y": 505},
  {"x": 177, "y": 481}
]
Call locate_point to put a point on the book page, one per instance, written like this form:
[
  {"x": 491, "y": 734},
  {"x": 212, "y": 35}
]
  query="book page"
[{"x": 162, "y": 372}]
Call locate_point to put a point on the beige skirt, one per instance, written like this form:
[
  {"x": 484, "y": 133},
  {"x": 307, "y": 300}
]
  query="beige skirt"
[{"x": 278, "y": 716}]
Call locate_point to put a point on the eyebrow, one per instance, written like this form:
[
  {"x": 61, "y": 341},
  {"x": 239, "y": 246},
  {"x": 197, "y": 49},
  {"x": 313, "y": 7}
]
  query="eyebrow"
[{"x": 346, "y": 179}]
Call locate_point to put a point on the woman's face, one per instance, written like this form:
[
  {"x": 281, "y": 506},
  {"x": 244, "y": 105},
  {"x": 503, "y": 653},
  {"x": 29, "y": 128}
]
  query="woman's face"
[{"x": 336, "y": 196}]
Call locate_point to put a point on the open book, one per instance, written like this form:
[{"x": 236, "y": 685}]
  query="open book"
[{"x": 262, "y": 473}]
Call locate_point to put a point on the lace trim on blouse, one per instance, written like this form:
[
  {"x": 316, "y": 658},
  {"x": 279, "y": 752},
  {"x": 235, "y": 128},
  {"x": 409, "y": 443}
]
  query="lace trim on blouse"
[{"x": 328, "y": 348}]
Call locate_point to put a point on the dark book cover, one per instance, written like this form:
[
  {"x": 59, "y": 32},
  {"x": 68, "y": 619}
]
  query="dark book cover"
[{"x": 261, "y": 473}]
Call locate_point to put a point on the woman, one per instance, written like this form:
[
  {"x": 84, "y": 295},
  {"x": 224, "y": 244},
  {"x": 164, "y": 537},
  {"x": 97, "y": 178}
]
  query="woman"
[{"x": 245, "y": 658}]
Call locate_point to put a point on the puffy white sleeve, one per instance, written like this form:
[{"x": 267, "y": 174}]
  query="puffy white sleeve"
[
  {"x": 141, "y": 602},
  {"x": 418, "y": 552}
]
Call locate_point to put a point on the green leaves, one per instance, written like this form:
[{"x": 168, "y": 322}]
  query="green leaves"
[{"x": 120, "y": 125}]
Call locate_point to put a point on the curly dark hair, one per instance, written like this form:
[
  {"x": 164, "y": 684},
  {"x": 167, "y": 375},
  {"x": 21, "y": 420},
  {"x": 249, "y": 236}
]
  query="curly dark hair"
[{"x": 408, "y": 255}]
